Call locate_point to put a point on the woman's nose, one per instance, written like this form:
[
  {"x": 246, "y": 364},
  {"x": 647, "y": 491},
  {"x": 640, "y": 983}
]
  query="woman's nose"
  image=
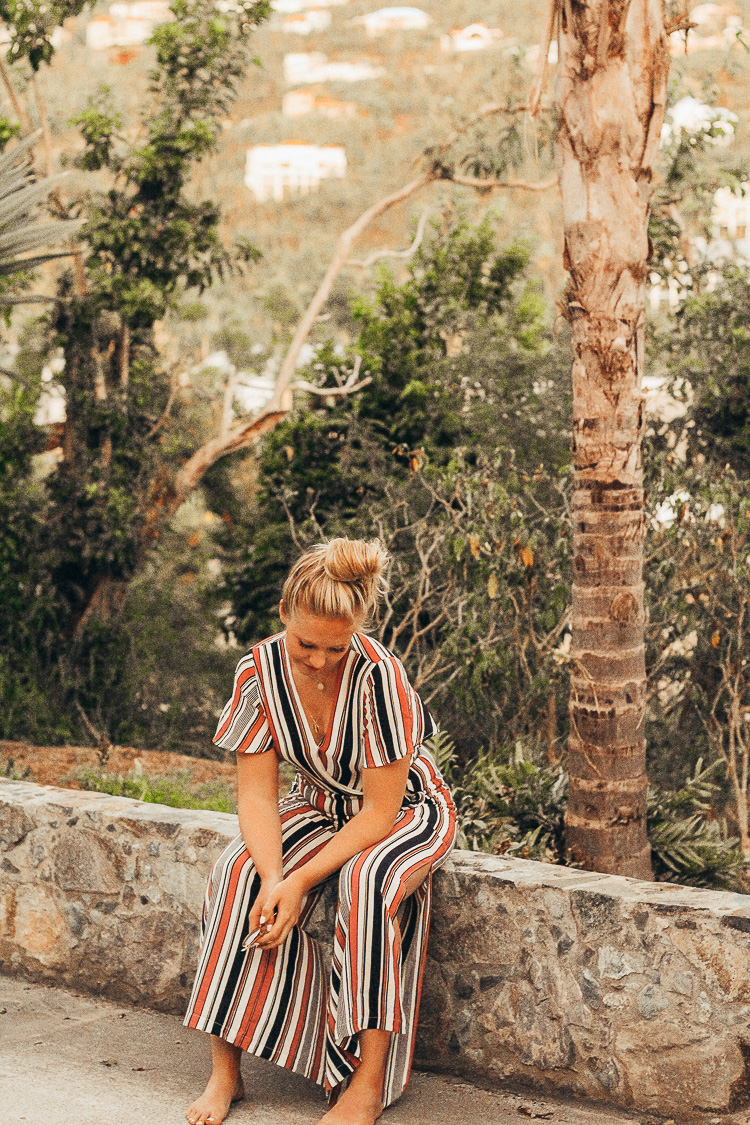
[{"x": 317, "y": 660}]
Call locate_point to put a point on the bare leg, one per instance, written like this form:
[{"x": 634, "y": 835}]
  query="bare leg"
[
  {"x": 362, "y": 1101},
  {"x": 224, "y": 1085}
]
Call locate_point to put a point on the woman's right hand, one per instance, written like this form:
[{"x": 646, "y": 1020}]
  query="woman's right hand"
[{"x": 266, "y": 886}]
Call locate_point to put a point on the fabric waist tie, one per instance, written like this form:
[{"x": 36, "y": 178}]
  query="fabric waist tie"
[{"x": 340, "y": 807}]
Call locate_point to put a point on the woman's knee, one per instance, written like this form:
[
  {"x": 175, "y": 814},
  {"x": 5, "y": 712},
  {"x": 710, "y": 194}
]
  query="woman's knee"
[{"x": 369, "y": 873}]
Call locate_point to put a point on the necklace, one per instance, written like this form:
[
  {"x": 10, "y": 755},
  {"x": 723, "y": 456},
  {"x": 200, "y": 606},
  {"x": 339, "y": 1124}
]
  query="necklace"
[
  {"x": 318, "y": 731},
  {"x": 321, "y": 687}
]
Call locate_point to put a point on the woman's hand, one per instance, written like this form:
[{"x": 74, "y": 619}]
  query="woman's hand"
[
  {"x": 266, "y": 888},
  {"x": 281, "y": 906}
]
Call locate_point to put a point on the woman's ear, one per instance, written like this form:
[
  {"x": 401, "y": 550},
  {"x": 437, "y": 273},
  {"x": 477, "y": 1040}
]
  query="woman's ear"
[{"x": 282, "y": 613}]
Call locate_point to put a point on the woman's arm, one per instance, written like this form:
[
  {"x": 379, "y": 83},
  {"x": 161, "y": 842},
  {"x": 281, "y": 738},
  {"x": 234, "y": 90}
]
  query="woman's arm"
[
  {"x": 260, "y": 823},
  {"x": 383, "y": 793}
]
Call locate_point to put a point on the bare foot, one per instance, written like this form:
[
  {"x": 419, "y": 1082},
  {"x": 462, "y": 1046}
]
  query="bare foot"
[
  {"x": 213, "y": 1105},
  {"x": 358, "y": 1105}
]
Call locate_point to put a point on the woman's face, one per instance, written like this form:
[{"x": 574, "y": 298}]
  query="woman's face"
[{"x": 316, "y": 645}]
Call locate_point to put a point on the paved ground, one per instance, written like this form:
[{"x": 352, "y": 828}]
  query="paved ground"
[{"x": 67, "y": 1059}]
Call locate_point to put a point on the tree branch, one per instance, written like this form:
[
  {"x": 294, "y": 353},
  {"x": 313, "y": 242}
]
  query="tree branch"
[
  {"x": 174, "y": 387},
  {"x": 491, "y": 183},
  {"x": 124, "y": 357},
  {"x": 288, "y": 367},
  {"x": 378, "y": 255},
  {"x": 535, "y": 94},
  {"x": 44, "y": 120},
  {"x": 236, "y": 438},
  {"x": 21, "y": 113},
  {"x": 679, "y": 23},
  {"x": 227, "y": 412},
  {"x": 489, "y": 110},
  {"x": 352, "y": 384}
]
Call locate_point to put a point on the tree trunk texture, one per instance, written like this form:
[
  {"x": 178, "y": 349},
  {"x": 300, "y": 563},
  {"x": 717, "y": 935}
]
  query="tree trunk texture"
[{"x": 612, "y": 86}]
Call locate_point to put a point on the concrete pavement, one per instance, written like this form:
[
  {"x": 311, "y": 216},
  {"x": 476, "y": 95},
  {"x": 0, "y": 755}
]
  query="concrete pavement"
[{"x": 69, "y": 1059}]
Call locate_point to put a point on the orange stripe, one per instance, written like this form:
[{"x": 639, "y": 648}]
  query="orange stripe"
[{"x": 218, "y": 941}]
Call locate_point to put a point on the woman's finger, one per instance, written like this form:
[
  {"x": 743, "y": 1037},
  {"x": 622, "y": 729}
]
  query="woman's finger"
[{"x": 283, "y": 921}]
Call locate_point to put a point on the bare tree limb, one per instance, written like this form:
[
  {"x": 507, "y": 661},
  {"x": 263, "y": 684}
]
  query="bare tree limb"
[
  {"x": 679, "y": 23},
  {"x": 124, "y": 355},
  {"x": 491, "y": 183},
  {"x": 20, "y": 112},
  {"x": 174, "y": 387},
  {"x": 535, "y": 94},
  {"x": 286, "y": 372},
  {"x": 352, "y": 384},
  {"x": 236, "y": 438},
  {"x": 44, "y": 120},
  {"x": 227, "y": 412},
  {"x": 378, "y": 255},
  {"x": 489, "y": 110}
]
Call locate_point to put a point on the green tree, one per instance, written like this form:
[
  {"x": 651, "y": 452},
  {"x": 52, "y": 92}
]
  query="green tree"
[
  {"x": 458, "y": 357},
  {"x": 147, "y": 243}
]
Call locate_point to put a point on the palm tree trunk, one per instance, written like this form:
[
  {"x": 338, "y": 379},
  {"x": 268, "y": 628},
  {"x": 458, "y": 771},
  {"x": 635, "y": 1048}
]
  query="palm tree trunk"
[{"x": 612, "y": 87}]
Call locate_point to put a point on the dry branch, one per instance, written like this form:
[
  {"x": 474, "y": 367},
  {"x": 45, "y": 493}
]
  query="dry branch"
[
  {"x": 343, "y": 247},
  {"x": 491, "y": 183},
  {"x": 402, "y": 255},
  {"x": 18, "y": 109},
  {"x": 535, "y": 94}
]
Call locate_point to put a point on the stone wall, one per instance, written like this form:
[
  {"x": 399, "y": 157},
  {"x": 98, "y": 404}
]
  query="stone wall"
[{"x": 636, "y": 994}]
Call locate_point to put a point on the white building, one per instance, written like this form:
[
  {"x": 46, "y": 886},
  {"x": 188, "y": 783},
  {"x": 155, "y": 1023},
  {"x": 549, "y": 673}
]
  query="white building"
[
  {"x": 127, "y": 25},
  {"x": 272, "y": 171},
  {"x": 302, "y": 23},
  {"x": 731, "y": 213},
  {"x": 298, "y": 103},
  {"x": 393, "y": 19},
  {"x": 475, "y": 37},
  {"x": 303, "y": 69}
]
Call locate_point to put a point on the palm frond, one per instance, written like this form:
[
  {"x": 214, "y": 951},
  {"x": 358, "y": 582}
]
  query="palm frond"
[{"x": 21, "y": 231}]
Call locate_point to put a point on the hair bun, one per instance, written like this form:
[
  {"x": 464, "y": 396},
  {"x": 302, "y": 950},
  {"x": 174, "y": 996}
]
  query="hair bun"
[
  {"x": 343, "y": 578},
  {"x": 355, "y": 560}
]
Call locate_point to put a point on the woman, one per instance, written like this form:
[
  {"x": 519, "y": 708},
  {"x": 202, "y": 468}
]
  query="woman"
[{"x": 367, "y": 803}]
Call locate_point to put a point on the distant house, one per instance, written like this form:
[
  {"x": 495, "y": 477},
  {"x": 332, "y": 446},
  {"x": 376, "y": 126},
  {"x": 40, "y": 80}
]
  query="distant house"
[
  {"x": 294, "y": 167},
  {"x": 393, "y": 19},
  {"x": 731, "y": 213},
  {"x": 127, "y": 25},
  {"x": 475, "y": 37},
  {"x": 302, "y": 23},
  {"x": 307, "y": 69},
  {"x": 298, "y": 103}
]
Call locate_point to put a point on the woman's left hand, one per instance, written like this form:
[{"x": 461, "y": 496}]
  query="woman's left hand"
[{"x": 282, "y": 909}]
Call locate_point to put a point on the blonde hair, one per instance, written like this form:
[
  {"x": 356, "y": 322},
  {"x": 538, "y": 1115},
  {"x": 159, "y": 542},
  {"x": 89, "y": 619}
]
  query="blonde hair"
[{"x": 343, "y": 578}]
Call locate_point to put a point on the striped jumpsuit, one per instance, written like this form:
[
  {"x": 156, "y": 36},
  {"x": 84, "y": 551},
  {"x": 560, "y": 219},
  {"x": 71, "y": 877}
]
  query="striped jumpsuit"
[{"x": 284, "y": 1004}]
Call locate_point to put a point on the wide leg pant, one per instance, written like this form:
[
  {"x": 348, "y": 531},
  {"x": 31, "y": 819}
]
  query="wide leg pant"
[{"x": 282, "y": 1004}]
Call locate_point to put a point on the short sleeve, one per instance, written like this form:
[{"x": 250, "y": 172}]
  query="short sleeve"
[
  {"x": 243, "y": 726},
  {"x": 388, "y": 714}
]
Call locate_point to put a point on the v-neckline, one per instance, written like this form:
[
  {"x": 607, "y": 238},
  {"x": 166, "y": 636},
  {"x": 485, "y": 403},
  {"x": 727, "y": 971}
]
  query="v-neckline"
[{"x": 322, "y": 746}]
